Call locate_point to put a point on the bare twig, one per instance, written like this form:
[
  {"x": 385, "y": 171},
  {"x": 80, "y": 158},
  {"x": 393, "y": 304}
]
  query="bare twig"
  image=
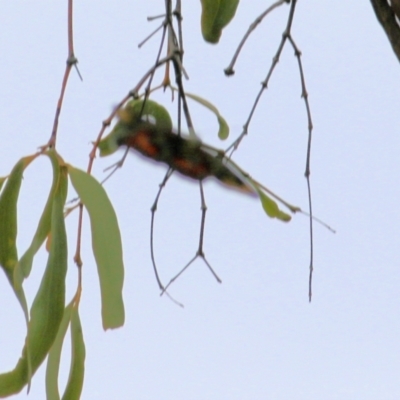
[
  {"x": 200, "y": 251},
  {"x": 178, "y": 15},
  {"x": 151, "y": 76},
  {"x": 115, "y": 166},
  {"x": 265, "y": 82},
  {"x": 155, "y": 17},
  {"x": 71, "y": 61},
  {"x": 229, "y": 69},
  {"x": 153, "y": 213},
  {"x": 304, "y": 95},
  {"x": 286, "y": 36},
  {"x": 151, "y": 35}
]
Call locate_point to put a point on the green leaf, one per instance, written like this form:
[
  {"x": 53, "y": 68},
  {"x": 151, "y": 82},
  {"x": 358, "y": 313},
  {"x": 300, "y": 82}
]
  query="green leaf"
[
  {"x": 53, "y": 360},
  {"x": 106, "y": 244},
  {"x": 25, "y": 263},
  {"x": 215, "y": 15},
  {"x": 74, "y": 386},
  {"x": 223, "y": 131},
  {"x": 271, "y": 208},
  {"x": 130, "y": 117},
  {"x": 8, "y": 227},
  {"x": 48, "y": 306},
  {"x": 8, "y": 217}
]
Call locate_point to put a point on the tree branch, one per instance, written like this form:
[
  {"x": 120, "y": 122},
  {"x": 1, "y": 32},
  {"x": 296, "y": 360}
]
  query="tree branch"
[{"x": 386, "y": 16}]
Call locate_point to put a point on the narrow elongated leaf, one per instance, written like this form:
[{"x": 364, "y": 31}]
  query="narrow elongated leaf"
[
  {"x": 8, "y": 217},
  {"x": 74, "y": 386},
  {"x": 53, "y": 360},
  {"x": 106, "y": 244},
  {"x": 8, "y": 227},
  {"x": 48, "y": 306},
  {"x": 75, "y": 381},
  {"x": 223, "y": 131},
  {"x": 25, "y": 263},
  {"x": 271, "y": 208}
]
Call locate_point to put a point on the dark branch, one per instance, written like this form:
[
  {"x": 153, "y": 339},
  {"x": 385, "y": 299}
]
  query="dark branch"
[{"x": 386, "y": 16}]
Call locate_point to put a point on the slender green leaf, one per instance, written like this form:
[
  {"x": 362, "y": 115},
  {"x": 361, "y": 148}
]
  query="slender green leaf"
[
  {"x": 53, "y": 360},
  {"x": 106, "y": 244},
  {"x": 48, "y": 306},
  {"x": 74, "y": 386},
  {"x": 271, "y": 208},
  {"x": 223, "y": 131},
  {"x": 8, "y": 227},
  {"x": 215, "y": 15},
  {"x": 25, "y": 263},
  {"x": 8, "y": 217}
]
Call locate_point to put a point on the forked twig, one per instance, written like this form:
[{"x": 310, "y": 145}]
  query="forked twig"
[
  {"x": 115, "y": 166},
  {"x": 264, "y": 84},
  {"x": 286, "y": 36},
  {"x": 200, "y": 251}
]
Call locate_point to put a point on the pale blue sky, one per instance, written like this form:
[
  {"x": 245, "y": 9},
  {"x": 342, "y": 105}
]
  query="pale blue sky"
[{"x": 255, "y": 336}]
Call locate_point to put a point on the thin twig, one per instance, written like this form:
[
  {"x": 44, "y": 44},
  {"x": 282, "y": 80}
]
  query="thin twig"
[
  {"x": 286, "y": 36},
  {"x": 71, "y": 61},
  {"x": 200, "y": 251},
  {"x": 229, "y": 69},
  {"x": 115, "y": 166},
  {"x": 153, "y": 210},
  {"x": 151, "y": 76},
  {"x": 304, "y": 95},
  {"x": 150, "y": 36},
  {"x": 177, "y": 53},
  {"x": 178, "y": 15},
  {"x": 264, "y": 84},
  {"x": 153, "y": 260},
  {"x": 155, "y": 17}
]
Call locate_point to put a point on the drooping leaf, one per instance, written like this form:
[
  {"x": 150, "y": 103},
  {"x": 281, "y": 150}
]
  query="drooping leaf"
[
  {"x": 215, "y": 16},
  {"x": 25, "y": 263},
  {"x": 223, "y": 131},
  {"x": 271, "y": 208},
  {"x": 130, "y": 116},
  {"x": 53, "y": 360},
  {"x": 106, "y": 244},
  {"x": 8, "y": 217},
  {"x": 74, "y": 386},
  {"x": 8, "y": 227},
  {"x": 48, "y": 306}
]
